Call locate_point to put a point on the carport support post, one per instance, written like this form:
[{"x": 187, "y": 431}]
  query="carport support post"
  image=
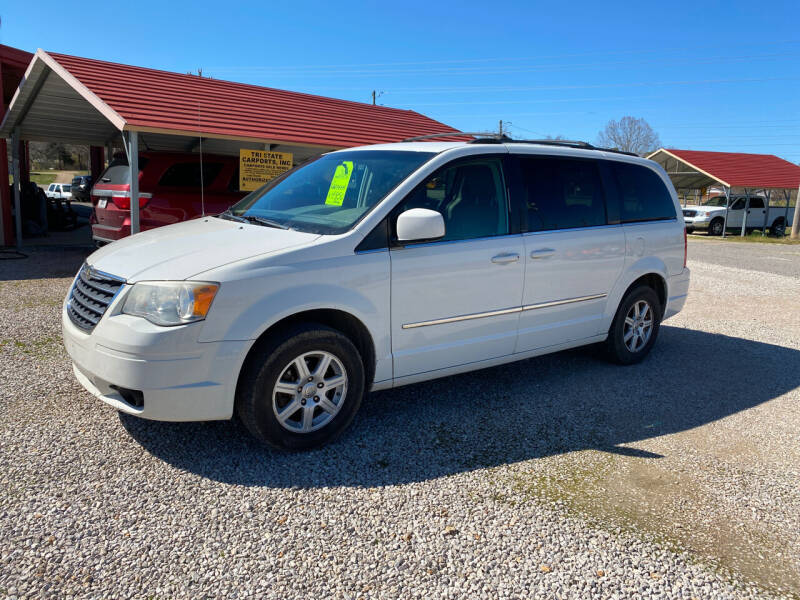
[
  {"x": 133, "y": 162},
  {"x": 767, "y": 193},
  {"x": 796, "y": 217},
  {"x": 746, "y": 211},
  {"x": 16, "y": 180},
  {"x": 788, "y": 195},
  {"x": 727, "y": 204}
]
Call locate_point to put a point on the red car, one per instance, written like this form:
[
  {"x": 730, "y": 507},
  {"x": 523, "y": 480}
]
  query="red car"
[{"x": 169, "y": 187}]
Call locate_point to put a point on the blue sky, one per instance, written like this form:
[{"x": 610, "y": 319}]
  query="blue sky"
[{"x": 706, "y": 75}]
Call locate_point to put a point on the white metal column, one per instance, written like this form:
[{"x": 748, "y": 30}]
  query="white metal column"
[
  {"x": 16, "y": 182},
  {"x": 796, "y": 218},
  {"x": 727, "y": 205},
  {"x": 746, "y": 212},
  {"x": 133, "y": 165}
]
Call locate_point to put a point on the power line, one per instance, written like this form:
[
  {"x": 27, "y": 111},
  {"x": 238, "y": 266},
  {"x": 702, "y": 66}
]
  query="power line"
[
  {"x": 353, "y": 73},
  {"x": 634, "y": 51},
  {"x": 484, "y": 89}
]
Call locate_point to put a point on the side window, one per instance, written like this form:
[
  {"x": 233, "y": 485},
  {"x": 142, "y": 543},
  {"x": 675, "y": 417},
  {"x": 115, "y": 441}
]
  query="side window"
[
  {"x": 187, "y": 174},
  {"x": 470, "y": 197},
  {"x": 643, "y": 195},
  {"x": 756, "y": 203},
  {"x": 738, "y": 205},
  {"x": 562, "y": 193}
]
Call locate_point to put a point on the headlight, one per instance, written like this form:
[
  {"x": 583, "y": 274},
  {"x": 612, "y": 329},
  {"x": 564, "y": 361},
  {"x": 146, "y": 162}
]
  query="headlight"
[{"x": 170, "y": 302}]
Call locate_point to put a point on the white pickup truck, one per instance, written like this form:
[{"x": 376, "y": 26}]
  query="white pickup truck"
[
  {"x": 59, "y": 191},
  {"x": 711, "y": 216}
]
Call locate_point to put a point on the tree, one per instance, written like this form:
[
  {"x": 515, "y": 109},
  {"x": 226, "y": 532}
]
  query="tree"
[{"x": 629, "y": 134}]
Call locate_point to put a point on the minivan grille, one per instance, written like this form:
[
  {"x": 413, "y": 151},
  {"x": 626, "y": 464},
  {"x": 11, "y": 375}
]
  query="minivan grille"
[
  {"x": 689, "y": 213},
  {"x": 90, "y": 296}
]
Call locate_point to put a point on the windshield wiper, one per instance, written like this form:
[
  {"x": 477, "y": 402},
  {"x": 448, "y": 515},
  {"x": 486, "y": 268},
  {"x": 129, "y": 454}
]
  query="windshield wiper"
[
  {"x": 267, "y": 222},
  {"x": 232, "y": 217}
]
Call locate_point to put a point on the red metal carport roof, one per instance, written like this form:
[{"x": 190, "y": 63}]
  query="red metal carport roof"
[
  {"x": 737, "y": 169},
  {"x": 165, "y": 102}
]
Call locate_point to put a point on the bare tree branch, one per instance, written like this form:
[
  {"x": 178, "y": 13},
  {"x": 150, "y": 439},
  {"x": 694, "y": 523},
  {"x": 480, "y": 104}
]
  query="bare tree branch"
[{"x": 629, "y": 134}]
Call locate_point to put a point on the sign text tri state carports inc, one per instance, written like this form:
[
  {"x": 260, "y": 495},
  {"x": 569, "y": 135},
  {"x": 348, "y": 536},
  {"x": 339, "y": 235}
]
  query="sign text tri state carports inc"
[{"x": 257, "y": 167}]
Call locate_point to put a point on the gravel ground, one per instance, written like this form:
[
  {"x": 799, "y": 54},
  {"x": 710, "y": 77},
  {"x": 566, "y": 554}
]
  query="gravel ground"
[
  {"x": 572, "y": 478},
  {"x": 779, "y": 259}
]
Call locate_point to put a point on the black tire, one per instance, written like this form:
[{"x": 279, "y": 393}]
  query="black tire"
[
  {"x": 616, "y": 348},
  {"x": 778, "y": 228},
  {"x": 268, "y": 362},
  {"x": 716, "y": 226}
]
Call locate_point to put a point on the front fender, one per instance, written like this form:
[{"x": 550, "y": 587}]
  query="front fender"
[{"x": 249, "y": 304}]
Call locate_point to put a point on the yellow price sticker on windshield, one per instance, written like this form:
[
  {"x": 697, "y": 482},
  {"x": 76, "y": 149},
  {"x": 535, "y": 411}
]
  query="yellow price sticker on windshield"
[{"x": 339, "y": 183}]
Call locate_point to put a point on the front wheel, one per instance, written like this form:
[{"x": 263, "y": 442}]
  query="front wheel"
[
  {"x": 635, "y": 327},
  {"x": 716, "y": 226},
  {"x": 301, "y": 389}
]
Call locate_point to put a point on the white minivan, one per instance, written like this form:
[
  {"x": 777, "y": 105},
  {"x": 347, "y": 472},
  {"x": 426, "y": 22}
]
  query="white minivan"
[{"x": 375, "y": 267}]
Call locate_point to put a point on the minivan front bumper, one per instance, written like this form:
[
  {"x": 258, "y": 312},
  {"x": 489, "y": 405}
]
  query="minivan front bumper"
[{"x": 180, "y": 379}]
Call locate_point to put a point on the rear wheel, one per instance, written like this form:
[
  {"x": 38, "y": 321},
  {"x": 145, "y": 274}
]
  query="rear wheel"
[
  {"x": 635, "y": 327},
  {"x": 302, "y": 389},
  {"x": 778, "y": 228},
  {"x": 716, "y": 226}
]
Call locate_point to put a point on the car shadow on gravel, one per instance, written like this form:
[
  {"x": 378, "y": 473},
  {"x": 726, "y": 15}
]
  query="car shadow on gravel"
[
  {"x": 54, "y": 262},
  {"x": 548, "y": 405}
]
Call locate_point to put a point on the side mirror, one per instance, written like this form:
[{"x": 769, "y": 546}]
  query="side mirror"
[{"x": 419, "y": 224}]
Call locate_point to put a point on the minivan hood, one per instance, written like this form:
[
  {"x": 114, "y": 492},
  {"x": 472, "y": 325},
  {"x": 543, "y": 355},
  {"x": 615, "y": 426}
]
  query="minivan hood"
[{"x": 185, "y": 249}]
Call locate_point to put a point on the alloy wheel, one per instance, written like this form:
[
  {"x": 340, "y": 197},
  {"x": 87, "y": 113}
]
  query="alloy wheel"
[
  {"x": 638, "y": 326},
  {"x": 310, "y": 392}
]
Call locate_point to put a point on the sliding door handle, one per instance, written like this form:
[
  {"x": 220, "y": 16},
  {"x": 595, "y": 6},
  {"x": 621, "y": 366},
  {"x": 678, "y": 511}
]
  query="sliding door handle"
[
  {"x": 543, "y": 253},
  {"x": 504, "y": 259}
]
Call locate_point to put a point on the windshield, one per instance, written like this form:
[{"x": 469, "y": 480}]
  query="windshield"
[
  {"x": 330, "y": 194},
  {"x": 716, "y": 201}
]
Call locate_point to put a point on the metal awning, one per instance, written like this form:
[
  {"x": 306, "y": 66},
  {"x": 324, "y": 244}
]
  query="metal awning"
[
  {"x": 750, "y": 173},
  {"x": 83, "y": 101}
]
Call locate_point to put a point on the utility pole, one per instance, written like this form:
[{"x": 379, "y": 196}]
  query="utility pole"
[
  {"x": 500, "y": 128},
  {"x": 373, "y": 97},
  {"x": 796, "y": 218}
]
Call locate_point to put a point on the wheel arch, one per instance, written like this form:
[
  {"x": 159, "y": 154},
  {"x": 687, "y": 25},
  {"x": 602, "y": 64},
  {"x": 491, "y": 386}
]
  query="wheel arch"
[
  {"x": 346, "y": 323},
  {"x": 654, "y": 281}
]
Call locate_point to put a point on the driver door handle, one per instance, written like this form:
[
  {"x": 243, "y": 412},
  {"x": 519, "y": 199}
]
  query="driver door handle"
[
  {"x": 504, "y": 259},
  {"x": 543, "y": 253}
]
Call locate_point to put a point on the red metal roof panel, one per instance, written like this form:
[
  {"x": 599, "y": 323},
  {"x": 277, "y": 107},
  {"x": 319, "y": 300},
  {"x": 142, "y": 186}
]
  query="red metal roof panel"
[
  {"x": 743, "y": 170},
  {"x": 149, "y": 98}
]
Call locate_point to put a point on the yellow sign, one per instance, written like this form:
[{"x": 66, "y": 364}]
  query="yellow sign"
[
  {"x": 341, "y": 178},
  {"x": 257, "y": 167}
]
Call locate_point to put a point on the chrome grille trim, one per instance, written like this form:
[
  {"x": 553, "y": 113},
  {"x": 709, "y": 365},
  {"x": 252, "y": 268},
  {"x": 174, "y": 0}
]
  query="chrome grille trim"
[{"x": 90, "y": 296}]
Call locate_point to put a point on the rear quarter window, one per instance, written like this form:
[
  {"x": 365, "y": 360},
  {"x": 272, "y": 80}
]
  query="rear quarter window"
[
  {"x": 642, "y": 194},
  {"x": 118, "y": 172}
]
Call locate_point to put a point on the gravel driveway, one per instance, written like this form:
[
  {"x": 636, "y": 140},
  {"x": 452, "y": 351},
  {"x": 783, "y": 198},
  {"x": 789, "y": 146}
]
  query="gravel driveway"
[{"x": 558, "y": 477}]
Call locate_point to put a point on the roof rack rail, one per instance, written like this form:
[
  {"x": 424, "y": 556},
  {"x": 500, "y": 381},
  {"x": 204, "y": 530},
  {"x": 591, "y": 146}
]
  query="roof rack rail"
[
  {"x": 488, "y": 137},
  {"x": 567, "y": 143},
  {"x": 433, "y": 136},
  {"x": 572, "y": 144}
]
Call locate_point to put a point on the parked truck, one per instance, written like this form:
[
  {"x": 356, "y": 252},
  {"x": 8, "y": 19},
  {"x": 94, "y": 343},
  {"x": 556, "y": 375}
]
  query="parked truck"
[{"x": 710, "y": 217}]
